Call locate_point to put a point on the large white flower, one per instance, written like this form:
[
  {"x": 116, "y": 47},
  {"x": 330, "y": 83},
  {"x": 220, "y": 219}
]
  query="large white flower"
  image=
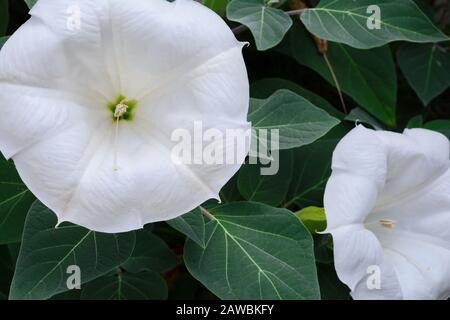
[
  {"x": 90, "y": 93},
  {"x": 388, "y": 208}
]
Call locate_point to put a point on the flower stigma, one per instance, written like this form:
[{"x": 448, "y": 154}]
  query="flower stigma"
[{"x": 387, "y": 223}]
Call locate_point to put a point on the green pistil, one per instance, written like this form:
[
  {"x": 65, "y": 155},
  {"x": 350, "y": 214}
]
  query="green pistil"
[{"x": 128, "y": 115}]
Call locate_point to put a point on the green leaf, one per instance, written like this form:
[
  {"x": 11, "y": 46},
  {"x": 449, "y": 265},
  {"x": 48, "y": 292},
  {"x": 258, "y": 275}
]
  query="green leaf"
[
  {"x": 15, "y": 200},
  {"x": 230, "y": 192},
  {"x": 150, "y": 254},
  {"x": 268, "y": 25},
  {"x": 73, "y": 294},
  {"x": 264, "y": 88},
  {"x": 46, "y": 252},
  {"x": 427, "y": 69},
  {"x": 368, "y": 76},
  {"x": 298, "y": 120},
  {"x": 313, "y": 218},
  {"x": 358, "y": 115},
  {"x": 30, "y": 3},
  {"x": 4, "y": 17},
  {"x": 254, "y": 252},
  {"x": 268, "y": 189},
  {"x": 126, "y": 286},
  {"x": 3, "y": 41},
  {"x": 6, "y": 269},
  {"x": 331, "y": 288},
  {"x": 415, "y": 122},
  {"x": 346, "y": 22},
  {"x": 323, "y": 248},
  {"x": 442, "y": 126},
  {"x": 191, "y": 224},
  {"x": 312, "y": 168},
  {"x": 218, "y": 6},
  {"x": 14, "y": 249}
]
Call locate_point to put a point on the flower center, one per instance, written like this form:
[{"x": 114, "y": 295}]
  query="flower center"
[
  {"x": 387, "y": 223},
  {"x": 122, "y": 108}
]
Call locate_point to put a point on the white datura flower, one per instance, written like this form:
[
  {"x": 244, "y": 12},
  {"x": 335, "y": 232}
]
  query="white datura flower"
[
  {"x": 91, "y": 92},
  {"x": 387, "y": 204}
]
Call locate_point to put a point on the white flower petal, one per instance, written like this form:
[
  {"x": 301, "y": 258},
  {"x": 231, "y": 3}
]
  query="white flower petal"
[
  {"x": 361, "y": 152},
  {"x": 31, "y": 114},
  {"x": 359, "y": 167},
  {"x": 356, "y": 250},
  {"x": 414, "y": 158},
  {"x": 348, "y": 199},
  {"x": 424, "y": 211},
  {"x": 422, "y": 263},
  {"x": 179, "y": 61},
  {"x": 148, "y": 61},
  {"x": 388, "y": 204},
  {"x": 46, "y": 55}
]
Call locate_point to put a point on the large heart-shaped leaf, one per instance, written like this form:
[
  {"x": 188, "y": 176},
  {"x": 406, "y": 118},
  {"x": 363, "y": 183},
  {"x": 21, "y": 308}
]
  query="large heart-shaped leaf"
[
  {"x": 150, "y": 254},
  {"x": 47, "y": 252},
  {"x": 264, "y": 88},
  {"x": 299, "y": 122},
  {"x": 268, "y": 189},
  {"x": 126, "y": 286},
  {"x": 267, "y": 247},
  {"x": 15, "y": 200},
  {"x": 312, "y": 168},
  {"x": 192, "y": 224},
  {"x": 350, "y": 22},
  {"x": 268, "y": 25},
  {"x": 368, "y": 76},
  {"x": 427, "y": 69}
]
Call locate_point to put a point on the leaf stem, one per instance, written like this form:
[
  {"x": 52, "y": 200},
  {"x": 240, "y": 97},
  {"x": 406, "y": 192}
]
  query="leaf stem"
[
  {"x": 206, "y": 213},
  {"x": 338, "y": 87}
]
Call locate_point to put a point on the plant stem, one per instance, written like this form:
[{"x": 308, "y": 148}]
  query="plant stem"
[
  {"x": 338, "y": 87},
  {"x": 206, "y": 213}
]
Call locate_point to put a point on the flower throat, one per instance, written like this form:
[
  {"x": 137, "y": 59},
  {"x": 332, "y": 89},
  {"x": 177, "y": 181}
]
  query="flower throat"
[{"x": 122, "y": 109}]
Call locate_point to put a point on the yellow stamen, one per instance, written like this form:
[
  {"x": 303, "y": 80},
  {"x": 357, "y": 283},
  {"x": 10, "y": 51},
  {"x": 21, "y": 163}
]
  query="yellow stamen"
[
  {"x": 387, "y": 223},
  {"x": 120, "y": 110}
]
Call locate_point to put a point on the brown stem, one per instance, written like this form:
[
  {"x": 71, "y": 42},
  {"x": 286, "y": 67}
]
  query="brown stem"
[
  {"x": 239, "y": 29},
  {"x": 336, "y": 82}
]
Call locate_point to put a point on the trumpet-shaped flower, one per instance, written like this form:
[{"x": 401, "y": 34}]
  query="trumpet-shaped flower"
[
  {"x": 387, "y": 204},
  {"x": 91, "y": 92}
]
